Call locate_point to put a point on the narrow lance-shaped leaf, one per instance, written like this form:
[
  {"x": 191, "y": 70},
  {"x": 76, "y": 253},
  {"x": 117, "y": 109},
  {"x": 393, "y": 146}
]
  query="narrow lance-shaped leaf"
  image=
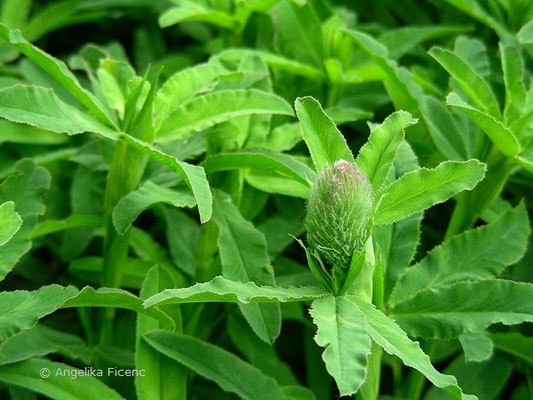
[
  {"x": 72, "y": 221},
  {"x": 193, "y": 176},
  {"x": 326, "y": 144},
  {"x": 41, "y": 108},
  {"x": 204, "y": 111},
  {"x": 513, "y": 74},
  {"x": 478, "y": 254},
  {"x": 59, "y": 71},
  {"x": 223, "y": 290},
  {"x": 394, "y": 341},
  {"x": 244, "y": 258},
  {"x": 377, "y": 155},
  {"x": 112, "y": 297},
  {"x": 29, "y": 375},
  {"x": 22, "y": 309},
  {"x": 342, "y": 331},
  {"x": 182, "y": 86},
  {"x": 462, "y": 307},
  {"x": 130, "y": 206},
  {"x": 40, "y": 341},
  {"x": 423, "y": 188},
  {"x": 525, "y": 37},
  {"x": 10, "y": 222},
  {"x": 25, "y": 188},
  {"x": 224, "y": 368},
  {"x": 501, "y": 136},
  {"x": 407, "y": 95},
  {"x": 475, "y": 86},
  {"x": 276, "y": 61},
  {"x": 192, "y": 11},
  {"x": 261, "y": 160},
  {"x": 300, "y": 31}
]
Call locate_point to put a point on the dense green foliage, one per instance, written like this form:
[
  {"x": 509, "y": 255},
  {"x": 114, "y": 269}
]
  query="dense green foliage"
[{"x": 266, "y": 199}]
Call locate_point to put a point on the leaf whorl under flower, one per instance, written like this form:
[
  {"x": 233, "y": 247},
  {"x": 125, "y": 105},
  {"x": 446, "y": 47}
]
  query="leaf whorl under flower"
[{"x": 338, "y": 213}]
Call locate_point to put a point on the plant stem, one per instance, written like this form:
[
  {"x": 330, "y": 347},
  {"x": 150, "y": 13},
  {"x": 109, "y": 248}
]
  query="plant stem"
[
  {"x": 370, "y": 389},
  {"x": 470, "y": 205},
  {"x": 124, "y": 176}
]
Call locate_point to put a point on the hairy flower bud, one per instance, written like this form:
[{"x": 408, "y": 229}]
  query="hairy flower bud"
[{"x": 338, "y": 213}]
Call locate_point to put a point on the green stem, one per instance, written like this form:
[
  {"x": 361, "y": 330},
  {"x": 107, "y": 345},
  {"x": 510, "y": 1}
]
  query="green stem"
[
  {"x": 370, "y": 389},
  {"x": 124, "y": 176},
  {"x": 470, "y": 205}
]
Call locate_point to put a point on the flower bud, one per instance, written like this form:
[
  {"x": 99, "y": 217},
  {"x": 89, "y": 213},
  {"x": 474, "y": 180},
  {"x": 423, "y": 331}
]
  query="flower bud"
[{"x": 338, "y": 213}]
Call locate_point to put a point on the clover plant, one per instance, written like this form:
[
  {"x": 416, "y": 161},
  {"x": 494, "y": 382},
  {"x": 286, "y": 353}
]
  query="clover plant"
[{"x": 265, "y": 199}]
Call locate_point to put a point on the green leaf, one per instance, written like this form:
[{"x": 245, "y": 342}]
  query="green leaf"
[
  {"x": 449, "y": 311},
  {"x": 342, "y": 331},
  {"x": 40, "y": 341},
  {"x": 342, "y": 115},
  {"x": 477, "y": 89},
  {"x": 377, "y": 155},
  {"x": 193, "y": 176},
  {"x": 486, "y": 380},
  {"x": 111, "y": 297},
  {"x": 11, "y": 132},
  {"x": 275, "y": 61},
  {"x": 10, "y": 222},
  {"x": 515, "y": 90},
  {"x": 204, "y": 111},
  {"x": 41, "y": 108},
  {"x": 402, "y": 40},
  {"x": 448, "y": 139},
  {"x": 404, "y": 93},
  {"x": 259, "y": 353},
  {"x": 515, "y": 344},
  {"x": 192, "y": 11},
  {"x": 164, "y": 379},
  {"x": 472, "y": 8},
  {"x": 59, "y": 71},
  {"x": 272, "y": 182},
  {"x": 474, "y": 52},
  {"x": 476, "y": 345},
  {"x": 182, "y": 237},
  {"x": 326, "y": 144},
  {"x": 501, "y": 136},
  {"x": 225, "y": 369},
  {"x": 72, "y": 221},
  {"x": 223, "y": 290},
  {"x": 15, "y": 12},
  {"x": 299, "y": 32},
  {"x": 525, "y": 37},
  {"x": 89, "y": 269},
  {"x": 423, "y": 188},
  {"x": 182, "y": 86},
  {"x": 474, "y": 255},
  {"x": 261, "y": 160},
  {"x": 22, "y": 309},
  {"x": 26, "y": 374},
  {"x": 394, "y": 341},
  {"x": 24, "y": 187},
  {"x": 244, "y": 258},
  {"x": 130, "y": 206}
]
